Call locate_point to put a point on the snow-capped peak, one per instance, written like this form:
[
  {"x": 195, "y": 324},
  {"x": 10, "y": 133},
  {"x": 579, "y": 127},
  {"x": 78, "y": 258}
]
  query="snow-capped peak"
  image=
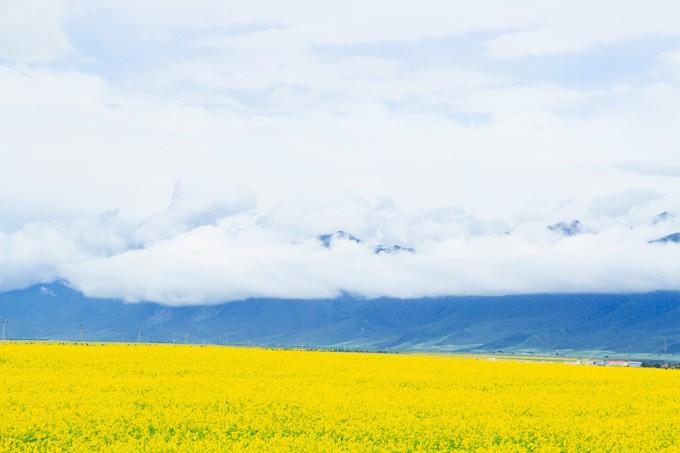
[
  {"x": 573, "y": 228},
  {"x": 327, "y": 240}
]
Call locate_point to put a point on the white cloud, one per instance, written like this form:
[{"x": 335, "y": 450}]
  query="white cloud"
[
  {"x": 580, "y": 25},
  {"x": 31, "y": 31},
  {"x": 36, "y": 252},
  {"x": 622, "y": 203},
  {"x": 194, "y": 203},
  {"x": 406, "y": 125},
  {"x": 652, "y": 167},
  {"x": 530, "y": 27},
  {"x": 211, "y": 264},
  {"x": 233, "y": 251}
]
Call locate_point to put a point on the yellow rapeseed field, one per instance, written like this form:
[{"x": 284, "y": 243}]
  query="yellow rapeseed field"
[{"x": 127, "y": 398}]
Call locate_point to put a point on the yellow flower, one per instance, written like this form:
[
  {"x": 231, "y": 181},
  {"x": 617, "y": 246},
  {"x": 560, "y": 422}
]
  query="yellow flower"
[{"x": 77, "y": 397}]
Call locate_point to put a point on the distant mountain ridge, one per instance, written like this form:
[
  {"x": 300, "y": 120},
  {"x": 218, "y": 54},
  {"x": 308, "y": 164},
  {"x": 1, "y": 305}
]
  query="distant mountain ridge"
[
  {"x": 662, "y": 217},
  {"x": 640, "y": 323},
  {"x": 573, "y": 228},
  {"x": 564, "y": 228},
  {"x": 671, "y": 238},
  {"x": 330, "y": 239},
  {"x": 327, "y": 240}
]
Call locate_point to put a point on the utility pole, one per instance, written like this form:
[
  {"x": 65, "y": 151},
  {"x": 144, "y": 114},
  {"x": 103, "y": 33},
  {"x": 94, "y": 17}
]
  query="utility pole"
[
  {"x": 665, "y": 345},
  {"x": 139, "y": 336},
  {"x": 82, "y": 331},
  {"x": 4, "y": 327}
]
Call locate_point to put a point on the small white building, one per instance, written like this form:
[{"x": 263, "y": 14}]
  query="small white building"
[
  {"x": 624, "y": 363},
  {"x": 617, "y": 362}
]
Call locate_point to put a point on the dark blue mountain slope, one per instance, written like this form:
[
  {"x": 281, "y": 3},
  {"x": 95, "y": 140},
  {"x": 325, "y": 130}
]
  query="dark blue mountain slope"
[
  {"x": 641, "y": 323},
  {"x": 673, "y": 238}
]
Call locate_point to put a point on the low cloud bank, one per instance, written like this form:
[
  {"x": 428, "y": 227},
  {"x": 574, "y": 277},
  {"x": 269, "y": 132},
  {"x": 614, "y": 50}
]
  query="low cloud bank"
[
  {"x": 209, "y": 264},
  {"x": 224, "y": 249}
]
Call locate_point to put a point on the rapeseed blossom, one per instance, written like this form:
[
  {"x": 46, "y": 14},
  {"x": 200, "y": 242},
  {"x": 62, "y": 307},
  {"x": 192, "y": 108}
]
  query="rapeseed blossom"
[{"x": 61, "y": 397}]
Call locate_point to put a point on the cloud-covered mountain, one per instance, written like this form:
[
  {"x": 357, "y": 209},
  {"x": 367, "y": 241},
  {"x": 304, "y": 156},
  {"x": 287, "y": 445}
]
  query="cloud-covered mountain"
[
  {"x": 673, "y": 238},
  {"x": 662, "y": 217},
  {"x": 573, "y": 228},
  {"x": 328, "y": 239},
  {"x": 641, "y": 323},
  {"x": 196, "y": 156},
  {"x": 218, "y": 251},
  {"x": 393, "y": 249}
]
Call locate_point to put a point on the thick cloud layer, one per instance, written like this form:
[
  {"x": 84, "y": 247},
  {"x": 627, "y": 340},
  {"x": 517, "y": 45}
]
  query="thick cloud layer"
[
  {"x": 231, "y": 250},
  {"x": 211, "y": 265},
  {"x": 190, "y": 152}
]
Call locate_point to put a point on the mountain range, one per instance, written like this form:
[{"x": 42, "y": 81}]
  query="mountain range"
[
  {"x": 329, "y": 240},
  {"x": 646, "y": 323},
  {"x": 563, "y": 228},
  {"x": 541, "y": 323}
]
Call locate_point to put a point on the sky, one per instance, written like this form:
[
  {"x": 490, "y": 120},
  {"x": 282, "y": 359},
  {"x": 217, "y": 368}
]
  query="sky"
[{"x": 191, "y": 152}]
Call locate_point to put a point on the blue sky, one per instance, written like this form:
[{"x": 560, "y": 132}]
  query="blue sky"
[{"x": 138, "y": 133}]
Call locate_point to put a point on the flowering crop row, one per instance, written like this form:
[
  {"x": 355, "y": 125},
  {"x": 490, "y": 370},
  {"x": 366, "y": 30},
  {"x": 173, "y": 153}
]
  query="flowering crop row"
[{"x": 182, "y": 398}]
